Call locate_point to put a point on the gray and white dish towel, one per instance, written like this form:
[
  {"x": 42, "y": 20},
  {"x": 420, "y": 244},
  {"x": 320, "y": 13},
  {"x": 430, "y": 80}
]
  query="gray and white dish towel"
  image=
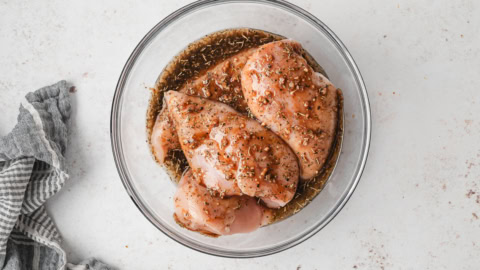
[{"x": 32, "y": 169}]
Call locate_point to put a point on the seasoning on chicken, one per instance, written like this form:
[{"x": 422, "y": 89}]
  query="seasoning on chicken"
[
  {"x": 294, "y": 101},
  {"x": 221, "y": 83},
  {"x": 231, "y": 152},
  {"x": 198, "y": 210}
]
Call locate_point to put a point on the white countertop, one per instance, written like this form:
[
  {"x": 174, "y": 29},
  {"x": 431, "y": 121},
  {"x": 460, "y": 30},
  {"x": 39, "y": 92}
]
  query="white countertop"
[{"x": 414, "y": 207}]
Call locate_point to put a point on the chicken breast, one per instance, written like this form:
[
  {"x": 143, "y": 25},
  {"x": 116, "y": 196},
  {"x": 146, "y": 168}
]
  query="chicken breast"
[
  {"x": 164, "y": 137},
  {"x": 221, "y": 83},
  {"x": 197, "y": 209},
  {"x": 298, "y": 104},
  {"x": 232, "y": 153}
]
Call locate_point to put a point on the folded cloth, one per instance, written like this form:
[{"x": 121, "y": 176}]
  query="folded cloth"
[{"x": 32, "y": 169}]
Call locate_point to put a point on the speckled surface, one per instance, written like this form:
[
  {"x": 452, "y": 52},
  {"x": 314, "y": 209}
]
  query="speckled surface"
[{"x": 418, "y": 203}]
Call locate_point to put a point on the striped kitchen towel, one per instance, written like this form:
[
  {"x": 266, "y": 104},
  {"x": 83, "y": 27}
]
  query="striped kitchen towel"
[{"x": 32, "y": 169}]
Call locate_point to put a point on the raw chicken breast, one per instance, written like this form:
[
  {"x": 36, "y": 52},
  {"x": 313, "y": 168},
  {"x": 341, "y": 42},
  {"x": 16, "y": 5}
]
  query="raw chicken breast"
[
  {"x": 221, "y": 83},
  {"x": 164, "y": 137},
  {"x": 197, "y": 209},
  {"x": 232, "y": 153},
  {"x": 298, "y": 104}
]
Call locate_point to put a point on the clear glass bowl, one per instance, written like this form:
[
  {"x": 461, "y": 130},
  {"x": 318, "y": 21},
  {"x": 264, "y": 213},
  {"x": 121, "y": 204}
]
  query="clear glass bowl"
[{"x": 148, "y": 184}]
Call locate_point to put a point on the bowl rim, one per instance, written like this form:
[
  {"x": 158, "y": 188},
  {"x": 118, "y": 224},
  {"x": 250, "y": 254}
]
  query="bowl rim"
[{"x": 116, "y": 137}]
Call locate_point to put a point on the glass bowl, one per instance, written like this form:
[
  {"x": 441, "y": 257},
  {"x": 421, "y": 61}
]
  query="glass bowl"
[{"x": 148, "y": 184}]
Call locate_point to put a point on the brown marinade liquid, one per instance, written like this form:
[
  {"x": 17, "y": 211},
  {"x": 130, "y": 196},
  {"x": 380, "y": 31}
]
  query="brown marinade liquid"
[{"x": 196, "y": 60}]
